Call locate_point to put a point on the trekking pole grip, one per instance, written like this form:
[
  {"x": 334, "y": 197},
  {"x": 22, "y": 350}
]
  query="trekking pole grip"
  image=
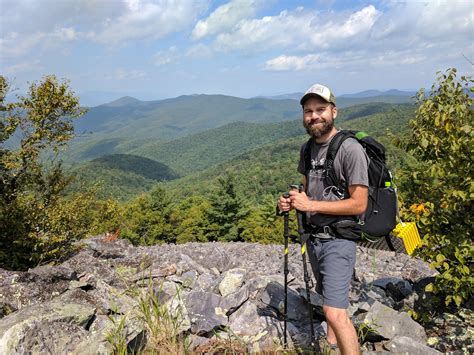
[{"x": 286, "y": 195}]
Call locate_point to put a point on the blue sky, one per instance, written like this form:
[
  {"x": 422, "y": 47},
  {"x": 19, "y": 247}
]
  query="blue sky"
[{"x": 155, "y": 49}]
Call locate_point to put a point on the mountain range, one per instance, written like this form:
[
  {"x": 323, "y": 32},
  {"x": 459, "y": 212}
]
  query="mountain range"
[{"x": 199, "y": 155}]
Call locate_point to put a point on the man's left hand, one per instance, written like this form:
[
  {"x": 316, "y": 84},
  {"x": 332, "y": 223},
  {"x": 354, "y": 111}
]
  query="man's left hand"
[{"x": 300, "y": 201}]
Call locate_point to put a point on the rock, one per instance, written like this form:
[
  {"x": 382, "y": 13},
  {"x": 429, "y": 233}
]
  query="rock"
[
  {"x": 108, "y": 248},
  {"x": 206, "y": 311},
  {"x": 206, "y": 282},
  {"x": 260, "y": 333},
  {"x": 384, "y": 322},
  {"x": 50, "y": 273},
  {"x": 405, "y": 345},
  {"x": 47, "y": 337},
  {"x": 17, "y": 328},
  {"x": 396, "y": 288},
  {"x": 273, "y": 296},
  {"x": 232, "y": 281},
  {"x": 155, "y": 271},
  {"x": 187, "y": 264},
  {"x": 102, "y": 290}
]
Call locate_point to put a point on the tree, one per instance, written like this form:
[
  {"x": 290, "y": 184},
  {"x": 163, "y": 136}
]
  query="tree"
[
  {"x": 226, "y": 211},
  {"x": 439, "y": 188},
  {"x": 262, "y": 225},
  {"x": 147, "y": 219},
  {"x": 31, "y": 189},
  {"x": 189, "y": 220}
]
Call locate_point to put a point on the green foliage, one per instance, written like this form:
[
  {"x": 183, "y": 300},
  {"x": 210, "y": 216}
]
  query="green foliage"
[
  {"x": 261, "y": 225},
  {"x": 225, "y": 211},
  {"x": 189, "y": 220},
  {"x": 146, "y": 219},
  {"x": 39, "y": 222},
  {"x": 122, "y": 176},
  {"x": 438, "y": 190}
]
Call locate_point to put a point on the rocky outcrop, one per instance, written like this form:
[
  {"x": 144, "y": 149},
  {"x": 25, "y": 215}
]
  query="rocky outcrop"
[{"x": 108, "y": 293}]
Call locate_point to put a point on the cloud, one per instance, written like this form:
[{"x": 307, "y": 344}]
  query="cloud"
[
  {"x": 27, "y": 24},
  {"x": 125, "y": 74},
  {"x": 168, "y": 56},
  {"x": 199, "y": 51},
  {"x": 146, "y": 19},
  {"x": 15, "y": 44},
  {"x": 284, "y": 63},
  {"x": 358, "y": 25},
  {"x": 22, "y": 67},
  {"x": 225, "y": 17},
  {"x": 300, "y": 29}
]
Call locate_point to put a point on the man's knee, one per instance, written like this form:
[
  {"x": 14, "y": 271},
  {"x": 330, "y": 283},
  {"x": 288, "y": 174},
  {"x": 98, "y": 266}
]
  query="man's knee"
[{"x": 335, "y": 316}]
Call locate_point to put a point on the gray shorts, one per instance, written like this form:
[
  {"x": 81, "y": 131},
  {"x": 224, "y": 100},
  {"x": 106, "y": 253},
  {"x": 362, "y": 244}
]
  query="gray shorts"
[{"x": 333, "y": 261}]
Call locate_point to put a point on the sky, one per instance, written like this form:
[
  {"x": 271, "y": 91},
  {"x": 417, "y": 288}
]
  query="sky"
[{"x": 156, "y": 49}]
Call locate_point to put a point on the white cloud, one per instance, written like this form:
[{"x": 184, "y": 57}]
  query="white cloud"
[
  {"x": 168, "y": 56},
  {"x": 285, "y": 63},
  {"x": 125, "y": 74},
  {"x": 26, "y": 24},
  {"x": 15, "y": 44},
  {"x": 256, "y": 35},
  {"x": 226, "y": 16},
  {"x": 22, "y": 67},
  {"x": 146, "y": 19},
  {"x": 300, "y": 29},
  {"x": 358, "y": 25},
  {"x": 199, "y": 51}
]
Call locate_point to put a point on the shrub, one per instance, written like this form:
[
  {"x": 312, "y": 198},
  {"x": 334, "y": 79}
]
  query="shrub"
[{"x": 438, "y": 190}]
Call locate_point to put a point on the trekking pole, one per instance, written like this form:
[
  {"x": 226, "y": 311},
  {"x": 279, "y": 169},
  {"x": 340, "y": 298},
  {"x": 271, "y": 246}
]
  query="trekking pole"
[
  {"x": 303, "y": 239},
  {"x": 286, "y": 235}
]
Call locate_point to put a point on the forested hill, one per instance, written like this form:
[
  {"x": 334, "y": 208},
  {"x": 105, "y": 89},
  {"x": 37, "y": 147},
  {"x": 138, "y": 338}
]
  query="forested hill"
[
  {"x": 177, "y": 117},
  {"x": 261, "y": 155}
]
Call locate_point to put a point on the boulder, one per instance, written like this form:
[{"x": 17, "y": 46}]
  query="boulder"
[
  {"x": 386, "y": 323},
  {"x": 405, "y": 345},
  {"x": 207, "y": 311},
  {"x": 17, "y": 328},
  {"x": 231, "y": 282}
]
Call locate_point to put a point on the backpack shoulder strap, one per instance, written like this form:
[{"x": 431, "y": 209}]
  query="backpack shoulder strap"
[
  {"x": 330, "y": 177},
  {"x": 307, "y": 155}
]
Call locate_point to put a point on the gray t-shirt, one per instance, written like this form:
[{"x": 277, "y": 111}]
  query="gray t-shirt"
[{"x": 350, "y": 166}]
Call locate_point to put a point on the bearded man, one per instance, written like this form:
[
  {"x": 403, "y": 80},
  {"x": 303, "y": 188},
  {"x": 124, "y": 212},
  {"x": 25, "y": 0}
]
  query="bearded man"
[{"x": 332, "y": 256}]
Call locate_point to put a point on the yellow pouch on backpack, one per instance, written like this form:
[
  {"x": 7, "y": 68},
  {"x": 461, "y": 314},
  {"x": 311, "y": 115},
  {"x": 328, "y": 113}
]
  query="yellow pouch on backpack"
[{"x": 409, "y": 234}]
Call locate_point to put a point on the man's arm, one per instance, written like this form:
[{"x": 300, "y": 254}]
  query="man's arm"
[{"x": 356, "y": 204}]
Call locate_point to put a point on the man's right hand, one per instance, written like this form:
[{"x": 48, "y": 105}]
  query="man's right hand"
[{"x": 284, "y": 204}]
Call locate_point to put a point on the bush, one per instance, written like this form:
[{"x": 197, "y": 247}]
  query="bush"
[{"x": 438, "y": 190}]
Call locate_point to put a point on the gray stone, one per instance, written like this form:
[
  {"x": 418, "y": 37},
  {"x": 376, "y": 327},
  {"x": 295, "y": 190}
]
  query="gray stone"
[
  {"x": 111, "y": 299},
  {"x": 206, "y": 282},
  {"x": 405, "y": 345},
  {"x": 155, "y": 271},
  {"x": 187, "y": 263},
  {"x": 109, "y": 248},
  {"x": 16, "y": 326},
  {"x": 206, "y": 311},
  {"x": 231, "y": 282},
  {"x": 387, "y": 323},
  {"x": 53, "y": 273},
  {"x": 260, "y": 333},
  {"x": 273, "y": 296},
  {"x": 47, "y": 337}
]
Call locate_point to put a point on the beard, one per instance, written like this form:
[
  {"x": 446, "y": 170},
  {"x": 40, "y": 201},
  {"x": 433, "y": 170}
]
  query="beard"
[{"x": 317, "y": 130}]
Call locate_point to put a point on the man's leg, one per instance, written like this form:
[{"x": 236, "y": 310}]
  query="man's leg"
[{"x": 341, "y": 330}]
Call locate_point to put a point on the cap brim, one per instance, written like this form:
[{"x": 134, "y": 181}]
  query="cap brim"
[{"x": 311, "y": 94}]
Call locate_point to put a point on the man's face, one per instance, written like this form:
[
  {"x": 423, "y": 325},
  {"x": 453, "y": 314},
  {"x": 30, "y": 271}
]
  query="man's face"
[{"x": 318, "y": 116}]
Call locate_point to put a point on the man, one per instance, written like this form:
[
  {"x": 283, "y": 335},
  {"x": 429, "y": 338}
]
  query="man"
[{"x": 332, "y": 257}]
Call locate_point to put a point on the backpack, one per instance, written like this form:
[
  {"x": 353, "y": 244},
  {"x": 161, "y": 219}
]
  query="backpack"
[{"x": 382, "y": 209}]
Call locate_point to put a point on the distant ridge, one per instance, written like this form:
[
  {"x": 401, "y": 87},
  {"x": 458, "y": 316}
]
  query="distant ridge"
[
  {"x": 123, "y": 101},
  {"x": 375, "y": 93}
]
